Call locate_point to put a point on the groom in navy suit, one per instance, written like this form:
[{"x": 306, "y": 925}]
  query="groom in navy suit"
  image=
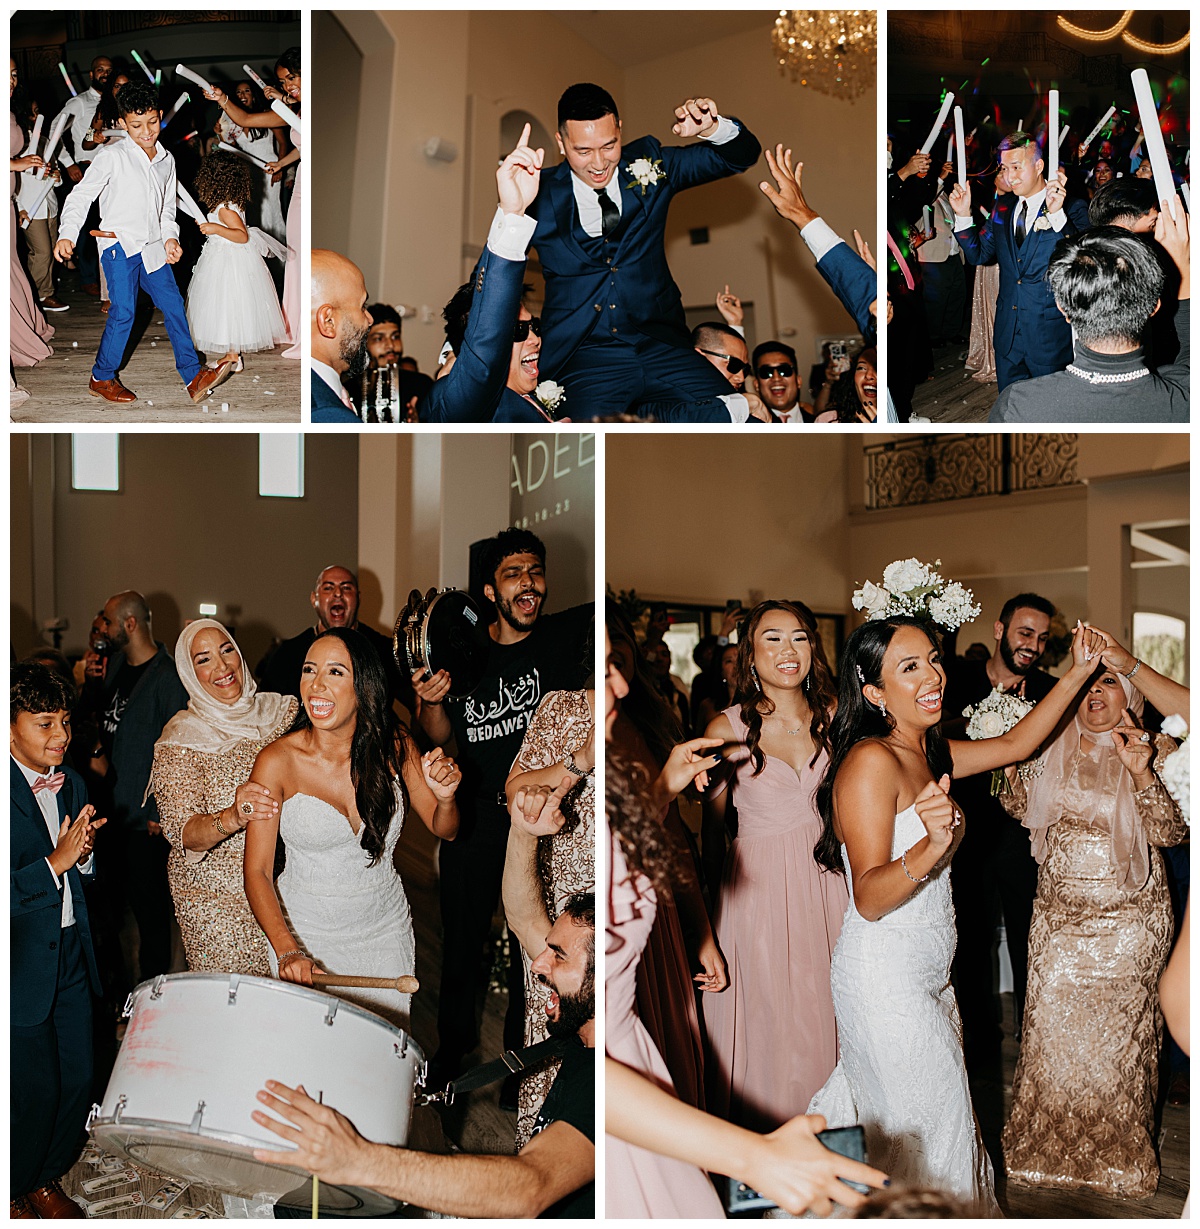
[
  {"x": 1031, "y": 336},
  {"x": 615, "y": 332},
  {"x": 53, "y": 972}
]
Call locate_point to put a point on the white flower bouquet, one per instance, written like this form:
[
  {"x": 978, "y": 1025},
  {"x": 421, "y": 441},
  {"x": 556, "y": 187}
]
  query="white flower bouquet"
[
  {"x": 1175, "y": 771},
  {"x": 994, "y": 715},
  {"x": 911, "y": 587}
]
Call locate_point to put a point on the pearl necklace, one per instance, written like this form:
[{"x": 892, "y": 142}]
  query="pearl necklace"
[{"x": 1095, "y": 377}]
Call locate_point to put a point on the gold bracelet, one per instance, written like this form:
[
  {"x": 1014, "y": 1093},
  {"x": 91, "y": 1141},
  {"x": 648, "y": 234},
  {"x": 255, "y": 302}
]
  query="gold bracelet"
[{"x": 217, "y": 821}]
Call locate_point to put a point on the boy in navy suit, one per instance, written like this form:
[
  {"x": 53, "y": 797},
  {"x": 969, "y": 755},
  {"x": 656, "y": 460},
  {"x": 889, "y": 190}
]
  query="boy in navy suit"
[{"x": 53, "y": 974}]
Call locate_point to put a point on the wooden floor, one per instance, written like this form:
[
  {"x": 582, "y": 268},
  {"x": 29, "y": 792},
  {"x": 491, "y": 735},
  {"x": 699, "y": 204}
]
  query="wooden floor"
[
  {"x": 992, "y": 1101},
  {"x": 267, "y": 391},
  {"x": 475, "y": 1123},
  {"x": 950, "y": 394}
]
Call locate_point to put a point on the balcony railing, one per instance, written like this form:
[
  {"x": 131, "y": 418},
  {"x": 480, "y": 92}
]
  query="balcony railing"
[
  {"x": 108, "y": 23},
  {"x": 931, "y": 469}
]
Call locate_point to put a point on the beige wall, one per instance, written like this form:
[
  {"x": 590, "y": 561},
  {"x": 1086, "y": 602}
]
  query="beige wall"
[{"x": 456, "y": 74}]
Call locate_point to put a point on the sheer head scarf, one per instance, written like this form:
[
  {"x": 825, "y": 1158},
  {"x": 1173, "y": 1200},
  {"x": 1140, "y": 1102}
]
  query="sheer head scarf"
[
  {"x": 207, "y": 724},
  {"x": 1093, "y": 770}
]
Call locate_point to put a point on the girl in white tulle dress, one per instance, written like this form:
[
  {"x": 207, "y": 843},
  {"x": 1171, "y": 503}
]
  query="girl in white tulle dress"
[{"x": 232, "y": 307}]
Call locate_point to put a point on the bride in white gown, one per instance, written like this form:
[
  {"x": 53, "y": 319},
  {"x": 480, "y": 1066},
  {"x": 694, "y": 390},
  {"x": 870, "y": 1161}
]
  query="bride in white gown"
[
  {"x": 344, "y": 780},
  {"x": 891, "y": 826}
]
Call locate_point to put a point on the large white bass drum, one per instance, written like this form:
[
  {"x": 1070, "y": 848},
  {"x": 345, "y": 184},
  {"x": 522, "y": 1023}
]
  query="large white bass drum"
[{"x": 198, "y": 1048}]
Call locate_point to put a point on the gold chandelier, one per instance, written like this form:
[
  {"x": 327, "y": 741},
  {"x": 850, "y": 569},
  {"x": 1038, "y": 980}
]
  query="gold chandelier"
[{"x": 829, "y": 50}]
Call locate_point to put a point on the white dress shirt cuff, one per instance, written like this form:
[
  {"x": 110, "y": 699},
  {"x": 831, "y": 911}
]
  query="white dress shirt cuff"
[
  {"x": 961, "y": 223},
  {"x": 726, "y": 130},
  {"x": 738, "y": 407},
  {"x": 63, "y": 156},
  {"x": 739, "y": 330},
  {"x": 84, "y": 867},
  {"x": 820, "y": 237},
  {"x": 510, "y": 235},
  {"x": 1057, "y": 220},
  {"x": 57, "y": 880}
]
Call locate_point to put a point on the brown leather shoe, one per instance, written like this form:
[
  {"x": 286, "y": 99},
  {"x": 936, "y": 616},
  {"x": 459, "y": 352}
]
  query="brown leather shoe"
[
  {"x": 110, "y": 390},
  {"x": 19, "y": 1209},
  {"x": 51, "y": 1202},
  {"x": 208, "y": 379},
  {"x": 54, "y": 305},
  {"x": 92, "y": 288}
]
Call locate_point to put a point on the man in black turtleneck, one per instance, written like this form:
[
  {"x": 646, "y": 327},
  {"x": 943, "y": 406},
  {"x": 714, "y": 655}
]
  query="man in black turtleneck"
[{"x": 1108, "y": 284}]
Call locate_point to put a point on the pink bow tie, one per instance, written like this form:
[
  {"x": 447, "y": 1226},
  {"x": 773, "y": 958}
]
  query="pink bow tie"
[{"x": 54, "y": 782}]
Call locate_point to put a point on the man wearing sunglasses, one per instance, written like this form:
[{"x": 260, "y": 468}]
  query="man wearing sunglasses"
[
  {"x": 725, "y": 349},
  {"x": 777, "y": 377},
  {"x": 496, "y": 341}
]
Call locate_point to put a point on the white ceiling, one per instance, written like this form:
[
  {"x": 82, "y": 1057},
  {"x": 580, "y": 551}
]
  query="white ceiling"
[{"x": 630, "y": 37}]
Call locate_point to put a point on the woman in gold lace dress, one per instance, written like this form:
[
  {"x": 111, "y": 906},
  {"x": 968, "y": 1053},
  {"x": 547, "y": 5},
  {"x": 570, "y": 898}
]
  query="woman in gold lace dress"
[
  {"x": 562, "y": 729},
  {"x": 1087, "y": 1075},
  {"x": 200, "y": 778}
]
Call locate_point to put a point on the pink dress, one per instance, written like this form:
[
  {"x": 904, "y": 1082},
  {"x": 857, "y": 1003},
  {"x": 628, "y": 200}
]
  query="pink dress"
[
  {"x": 772, "y": 1035},
  {"x": 291, "y": 270},
  {"x": 28, "y": 331},
  {"x": 639, "y": 1183}
]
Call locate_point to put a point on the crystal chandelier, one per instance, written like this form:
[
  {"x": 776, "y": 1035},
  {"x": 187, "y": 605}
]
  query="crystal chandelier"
[{"x": 830, "y": 50}]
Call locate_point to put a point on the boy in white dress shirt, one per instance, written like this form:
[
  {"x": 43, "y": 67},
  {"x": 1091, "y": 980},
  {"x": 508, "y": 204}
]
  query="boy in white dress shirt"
[{"x": 138, "y": 239}]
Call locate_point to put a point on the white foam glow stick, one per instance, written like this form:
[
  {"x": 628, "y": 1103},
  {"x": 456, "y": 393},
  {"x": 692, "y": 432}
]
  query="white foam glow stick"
[
  {"x": 1062, "y": 136},
  {"x": 142, "y": 65},
  {"x": 293, "y": 119},
  {"x": 1019, "y": 123},
  {"x": 1052, "y": 136},
  {"x": 1095, "y": 132},
  {"x": 182, "y": 71},
  {"x": 35, "y": 136},
  {"x": 950, "y": 149},
  {"x": 189, "y": 205},
  {"x": 926, "y": 219},
  {"x": 262, "y": 85},
  {"x": 234, "y": 149},
  {"x": 37, "y": 204},
  {"x": 113, "y": 134},
  {"x": 947, "y": 103},
  {"x": 962, "y": 145},
  {"x": 56, "y": 131},
  {"x": 1187, "y": 196},
  {"x": 62, "y": 68},
  {"x": 166, "y": 119},
  {"x": 1160, "y": 164}
]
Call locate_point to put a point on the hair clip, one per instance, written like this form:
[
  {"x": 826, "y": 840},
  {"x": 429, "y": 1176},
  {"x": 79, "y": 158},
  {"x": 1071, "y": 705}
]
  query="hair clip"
[{"x": 858, "y": 671}]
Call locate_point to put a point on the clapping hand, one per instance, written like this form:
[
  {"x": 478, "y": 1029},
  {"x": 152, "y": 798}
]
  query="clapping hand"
[
  {"x": 74, "y": 842},
  {"x": 536, "y": 810},
  {"x": 730, "y": 307},
  {"x": 1135, "y": 748},
  {"x": 441, "y": 774},
  {"x": 697, "y": 118},
  {"x": 788, "y": 195},
  {"x": 939, "y": 813},
  {"x": 519, "y": 175}
]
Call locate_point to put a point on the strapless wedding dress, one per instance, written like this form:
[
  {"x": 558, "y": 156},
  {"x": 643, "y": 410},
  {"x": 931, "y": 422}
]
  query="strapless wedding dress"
[
  {"x": 901, "y": 1073},
  {"x": 349, "y": 916}
]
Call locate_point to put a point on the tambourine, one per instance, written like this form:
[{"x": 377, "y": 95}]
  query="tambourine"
[{"x": 444, "y": 630}]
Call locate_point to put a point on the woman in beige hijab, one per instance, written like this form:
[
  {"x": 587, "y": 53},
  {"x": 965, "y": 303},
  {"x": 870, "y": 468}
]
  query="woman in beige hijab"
[
  {"x": 1087, "y": 1075},
  {"x": 201, "y": 780}
]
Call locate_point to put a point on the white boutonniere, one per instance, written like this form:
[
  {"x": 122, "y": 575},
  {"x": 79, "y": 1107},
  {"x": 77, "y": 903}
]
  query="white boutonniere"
[
  {"x": 1041, "y": 222},
  {"x": 551, "y": 395},
  {"x": 645, "y": 173}
]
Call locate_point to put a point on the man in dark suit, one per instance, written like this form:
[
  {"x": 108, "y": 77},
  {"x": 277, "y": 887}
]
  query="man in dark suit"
[
  {"x": 1030, "y": 336},
  {"x": 994, "y": 871},
  {"x": 340, "y": 322},
  {"x": 615, "y": 332},
  {"x": 53, "y": 972}
]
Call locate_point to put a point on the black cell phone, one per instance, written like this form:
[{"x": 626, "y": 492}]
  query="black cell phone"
[
  {"x": 740, "y": 1199},
  {"x": 732, "y": 604}
]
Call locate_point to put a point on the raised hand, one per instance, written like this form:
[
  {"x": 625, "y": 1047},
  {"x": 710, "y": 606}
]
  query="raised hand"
[
  {"x": 960, "y": 199},
  {"x": 431, "y": 688},
  {"x": 217, "y": 95},
  {"x": 1115, "y": 656},
  {"x": 787, "y": 196},
  {"x": 1135, "y": 749},
  {"x": 1172, "y": 233},
  {"x": 697, "y": 118},
  {"x": 946, "y": 171},
  {"x": 687, "y": 765},
  {"x": 938, "y": 812},
  {"x": 864, "y": 249},
  {"x": 253, "y": 801},
  {"x": 441, "y": 774},
  {"x": 519, "y": 175},
  {"x": 1056, "y": 192},
  {"x": 918, "y": 164},
  {"x": 537, "y": 809},
  {"x": 730, "y": 307},
  {"x": 1086, "y": 646}
]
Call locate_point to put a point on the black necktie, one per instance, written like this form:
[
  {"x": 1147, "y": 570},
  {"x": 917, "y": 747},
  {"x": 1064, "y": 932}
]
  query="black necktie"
[
  {"x": 610, "y": 215},
  {"x": 1019, "y": 228}
]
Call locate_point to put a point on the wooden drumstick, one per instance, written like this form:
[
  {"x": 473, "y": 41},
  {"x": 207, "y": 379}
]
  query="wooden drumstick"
[{"x": 405, "y": 985}]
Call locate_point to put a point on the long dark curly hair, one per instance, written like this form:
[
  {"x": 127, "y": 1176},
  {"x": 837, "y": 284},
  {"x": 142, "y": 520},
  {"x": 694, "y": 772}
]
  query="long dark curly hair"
[
  {"x": 645, "y": 841},
  {"x": 857, "y": 719},
  {"x": 655, "y": 719},
  {"x": 818, "y": 685},
  {"x": 223, "y": 179},
  {"x": 379, "y": 743}
]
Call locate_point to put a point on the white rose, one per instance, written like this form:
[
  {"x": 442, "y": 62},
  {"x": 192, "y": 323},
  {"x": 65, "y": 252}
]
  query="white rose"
[
  {"x": 905, "y": 574},
  {"x": 642, "y": 169},
  {"x": 872, "y": 599},
  {"x": 1175, "y": 726},
  {"x": 550, "y": 394}
]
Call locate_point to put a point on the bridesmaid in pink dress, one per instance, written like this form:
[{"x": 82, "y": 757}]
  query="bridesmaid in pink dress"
[
  {"x": 772, "y": 1036},
  {"x": 28, "y": 330},
  {"x": 287, "y": 70}
]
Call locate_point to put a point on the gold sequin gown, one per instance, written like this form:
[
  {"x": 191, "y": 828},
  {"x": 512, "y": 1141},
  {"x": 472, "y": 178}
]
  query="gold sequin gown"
[
  {"x": 1087, "y": 1073},
  {"x": 220, "y": 934},
  {"x": 566, "y": 864}
]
